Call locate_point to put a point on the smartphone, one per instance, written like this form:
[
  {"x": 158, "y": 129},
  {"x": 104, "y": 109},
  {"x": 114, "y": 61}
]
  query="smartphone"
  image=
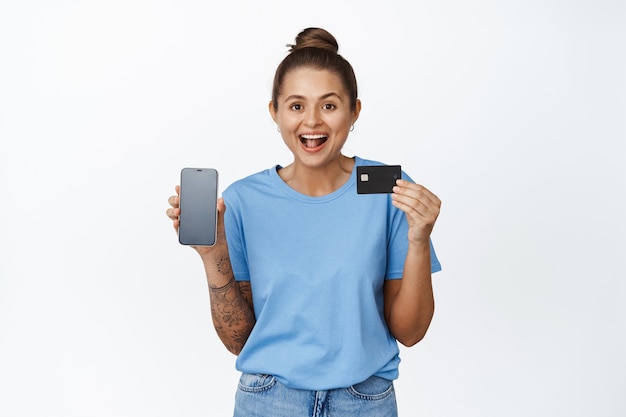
[
  {"x": 198, "y": 207},
  {"x": 377, "y": 179}
]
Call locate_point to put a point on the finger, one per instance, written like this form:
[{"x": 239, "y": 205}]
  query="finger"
[
  {"x": 173, "y": 213},
  {"x": 420, "y": 210},
  {"x": 419, "y": 225},
  {"x": 422, "y": 214},
  {"x": 221, "y": 206},
  {"x": 415, "y": 201},
  {"x": 418, "y": 192},
  {"x": 221, "y": 209},
  {"x": 412, "y": 187},
  {"x": 174, "y": 201},
  {"x": 413, "y": 208}
]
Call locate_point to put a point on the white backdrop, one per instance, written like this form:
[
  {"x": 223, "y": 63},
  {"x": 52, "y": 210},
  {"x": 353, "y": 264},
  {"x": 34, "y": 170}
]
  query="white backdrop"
[{"x": 511, "y": 111}]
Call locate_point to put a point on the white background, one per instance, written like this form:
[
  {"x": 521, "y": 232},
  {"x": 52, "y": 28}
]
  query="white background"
[{"x": 511, "y": 111}]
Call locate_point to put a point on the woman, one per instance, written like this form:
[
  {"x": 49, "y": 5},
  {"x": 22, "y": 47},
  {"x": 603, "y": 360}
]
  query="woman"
[{"x": 311, "y": 284}]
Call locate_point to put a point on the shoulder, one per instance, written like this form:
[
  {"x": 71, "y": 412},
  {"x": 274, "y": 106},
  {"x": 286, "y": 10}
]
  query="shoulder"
[
  {"x": 251, "y": 182},
  {"x": 256, "y": 190}
]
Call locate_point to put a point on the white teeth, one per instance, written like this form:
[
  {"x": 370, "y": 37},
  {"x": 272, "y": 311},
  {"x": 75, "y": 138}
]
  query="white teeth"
[{"x": 313, "y": 141}]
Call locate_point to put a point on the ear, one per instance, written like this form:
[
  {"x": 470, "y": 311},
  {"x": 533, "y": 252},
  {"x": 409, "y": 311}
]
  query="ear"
[
  {"x": 272, "y": 111},
  {"x": 357, "y": 111}
]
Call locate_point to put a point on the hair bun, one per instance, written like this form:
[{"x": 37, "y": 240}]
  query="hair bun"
[{"x": 315, "y": 38}]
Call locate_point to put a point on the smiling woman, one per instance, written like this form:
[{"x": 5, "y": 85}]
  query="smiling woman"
[
  {"x": 314, "y": 119},
  {"x": 315, "y": 103},
  {"x": 346, "y": 277}
]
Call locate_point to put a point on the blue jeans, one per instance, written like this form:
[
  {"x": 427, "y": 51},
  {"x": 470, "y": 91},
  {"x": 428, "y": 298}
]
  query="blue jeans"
[{"x": 265, "y": 396}]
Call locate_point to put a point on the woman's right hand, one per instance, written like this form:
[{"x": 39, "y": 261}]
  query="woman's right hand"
[{"x": 174, "y": 212}]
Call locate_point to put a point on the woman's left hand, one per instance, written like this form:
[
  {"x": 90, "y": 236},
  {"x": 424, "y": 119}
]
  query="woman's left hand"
[{"x": 420, "y": 206}]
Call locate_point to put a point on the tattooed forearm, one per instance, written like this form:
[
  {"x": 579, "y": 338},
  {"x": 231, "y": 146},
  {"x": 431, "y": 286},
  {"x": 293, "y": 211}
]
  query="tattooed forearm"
[
  {"x": 232, "y": 315},
  {"x": 231, "y": 301}
]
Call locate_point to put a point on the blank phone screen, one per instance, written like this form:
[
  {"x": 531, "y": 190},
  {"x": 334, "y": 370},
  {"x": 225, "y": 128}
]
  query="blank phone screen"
[{"x": 198, "y": 211}]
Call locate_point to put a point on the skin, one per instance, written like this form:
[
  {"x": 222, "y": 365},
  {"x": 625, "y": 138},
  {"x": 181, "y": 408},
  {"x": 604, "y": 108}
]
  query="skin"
[{"x": 314, "y": 104}]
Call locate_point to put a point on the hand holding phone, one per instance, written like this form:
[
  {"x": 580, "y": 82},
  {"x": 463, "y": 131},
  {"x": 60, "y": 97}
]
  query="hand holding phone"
[{"x": 198, "y": 207}]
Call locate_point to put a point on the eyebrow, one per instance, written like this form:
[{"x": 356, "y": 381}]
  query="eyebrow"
[{"x": 323, "y": 97}]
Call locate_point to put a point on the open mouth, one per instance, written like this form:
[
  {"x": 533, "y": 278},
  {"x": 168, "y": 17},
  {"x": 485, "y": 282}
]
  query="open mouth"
[{"x": 313, "y": 141}]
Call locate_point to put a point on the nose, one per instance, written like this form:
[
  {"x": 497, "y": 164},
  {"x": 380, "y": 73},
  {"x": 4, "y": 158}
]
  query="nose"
[{"x": 312, "y": 117}]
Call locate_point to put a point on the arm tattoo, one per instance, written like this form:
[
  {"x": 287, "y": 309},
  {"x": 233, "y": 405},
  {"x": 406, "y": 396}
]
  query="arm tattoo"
[
  {"x": 223, "y": 288},
  {"x": 231, "y": 309},
  {"x": 223, "y": 265},
  {"x": 246, "y": 291}
]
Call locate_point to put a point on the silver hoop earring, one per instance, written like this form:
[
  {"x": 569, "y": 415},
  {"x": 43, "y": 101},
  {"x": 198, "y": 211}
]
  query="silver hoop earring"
[
  {"x": 352, "y": 128},
  {"x": 278, "y": 129}
]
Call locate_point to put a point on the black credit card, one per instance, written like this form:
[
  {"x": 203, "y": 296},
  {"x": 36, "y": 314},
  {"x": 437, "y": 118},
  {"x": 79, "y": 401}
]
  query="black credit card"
[{"x": 377, "y": 179}]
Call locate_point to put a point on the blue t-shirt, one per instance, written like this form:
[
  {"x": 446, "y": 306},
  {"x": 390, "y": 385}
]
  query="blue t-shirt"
[{"x": 316, "y": 266}]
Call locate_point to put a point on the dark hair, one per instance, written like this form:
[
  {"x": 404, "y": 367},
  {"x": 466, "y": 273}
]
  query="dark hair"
[{"x": 316, "y": 48}]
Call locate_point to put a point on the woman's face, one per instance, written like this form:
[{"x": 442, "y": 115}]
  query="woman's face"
[{"x": 314, "y": 116}]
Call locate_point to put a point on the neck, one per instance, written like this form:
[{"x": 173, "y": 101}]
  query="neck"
[{"x": 318, "y": 181}]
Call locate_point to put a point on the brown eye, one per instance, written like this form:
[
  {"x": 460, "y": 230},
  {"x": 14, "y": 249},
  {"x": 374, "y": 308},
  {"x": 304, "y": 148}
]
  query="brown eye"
[
  {"x": 329, "y": 106},
  {"x": 296, "y": 107}
]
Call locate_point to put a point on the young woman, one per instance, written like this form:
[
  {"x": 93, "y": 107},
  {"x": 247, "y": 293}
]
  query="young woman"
[{"x": 311, "y": 284}]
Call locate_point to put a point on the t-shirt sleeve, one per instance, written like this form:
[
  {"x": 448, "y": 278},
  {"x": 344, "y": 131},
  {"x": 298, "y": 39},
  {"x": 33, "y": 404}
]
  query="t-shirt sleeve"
[{"x": 235, "y": 237}]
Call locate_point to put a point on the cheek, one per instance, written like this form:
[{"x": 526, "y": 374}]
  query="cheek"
[
  {"x": 287, "y": 121},
  {"x": 343, "y": 122},
  {"x": 343, "y": 117}
]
